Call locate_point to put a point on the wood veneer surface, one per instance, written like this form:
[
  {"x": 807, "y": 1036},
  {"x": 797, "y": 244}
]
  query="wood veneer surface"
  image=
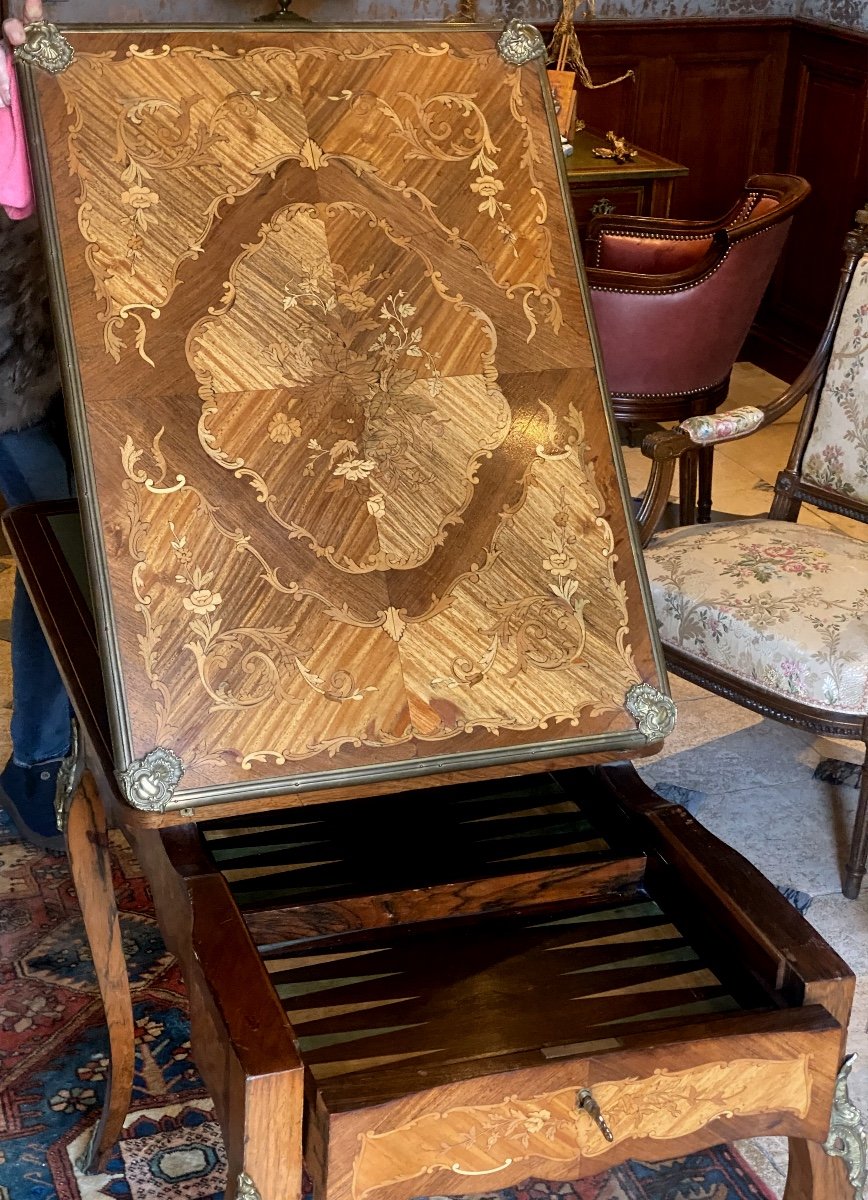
[{"x": 350, "y": 458}]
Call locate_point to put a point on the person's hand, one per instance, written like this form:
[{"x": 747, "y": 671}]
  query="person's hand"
[{"x": 13, "y": 31}]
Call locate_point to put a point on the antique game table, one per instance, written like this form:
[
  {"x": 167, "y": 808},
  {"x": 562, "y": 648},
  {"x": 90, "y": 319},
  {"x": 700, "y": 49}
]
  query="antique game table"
[{"x": 353, "y": 619}]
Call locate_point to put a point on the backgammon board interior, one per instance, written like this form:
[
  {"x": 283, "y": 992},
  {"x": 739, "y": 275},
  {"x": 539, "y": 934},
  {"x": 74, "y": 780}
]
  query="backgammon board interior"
[{"x": 353, "y": 498}]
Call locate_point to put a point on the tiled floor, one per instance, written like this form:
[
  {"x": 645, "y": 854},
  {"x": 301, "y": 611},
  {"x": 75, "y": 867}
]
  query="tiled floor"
[{"x": 755, "y": 778}]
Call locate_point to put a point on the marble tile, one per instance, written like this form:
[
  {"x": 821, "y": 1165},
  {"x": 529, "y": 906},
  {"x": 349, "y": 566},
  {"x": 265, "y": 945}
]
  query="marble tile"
[
  {"x": 797, "y": 835},
  {"x": 844, "y": 924},
  {"x": 848, "y": 750},
  {"x": 856, "y": 529},
  {"x": 683, "y": 690},
  {"x": 733, "y": 489},
  {"x": 638, "y": 468},
  {"x": 750, "y": 384},
  {"x": 739, "y": 751}
]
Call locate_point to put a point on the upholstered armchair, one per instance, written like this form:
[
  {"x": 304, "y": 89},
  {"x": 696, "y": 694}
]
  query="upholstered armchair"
[
  {"x": 673, "y": 302},
  {"x": 770, "y": 613}
]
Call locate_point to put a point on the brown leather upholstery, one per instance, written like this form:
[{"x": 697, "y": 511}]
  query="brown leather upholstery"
[{"x": 674, "y": 300}]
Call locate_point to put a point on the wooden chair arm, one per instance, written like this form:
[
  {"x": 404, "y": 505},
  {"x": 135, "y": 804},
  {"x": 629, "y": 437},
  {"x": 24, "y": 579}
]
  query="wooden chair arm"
[
  {"x": 624, "y": 224},
  {"x": 665, "y": 447},
  {"x": 606, "y": 279}
]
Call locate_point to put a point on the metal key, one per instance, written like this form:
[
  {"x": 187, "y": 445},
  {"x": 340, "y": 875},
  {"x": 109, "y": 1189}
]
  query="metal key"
[{"x": 586, "y": 1101}]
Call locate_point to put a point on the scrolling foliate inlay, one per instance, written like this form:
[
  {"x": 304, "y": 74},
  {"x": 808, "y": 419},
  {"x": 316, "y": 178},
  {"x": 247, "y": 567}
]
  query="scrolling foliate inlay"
[
  {"x": 549, "y": 1129},
  {"x": 350, "y": 454},
  {"x": 431, "y": 674},
  {"x": 202, "y": 128}
]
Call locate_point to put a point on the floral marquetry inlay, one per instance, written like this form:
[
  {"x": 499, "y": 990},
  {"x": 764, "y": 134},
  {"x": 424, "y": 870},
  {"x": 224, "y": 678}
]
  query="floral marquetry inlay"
[
  {"x": 353, "y": 470},
  {"x": 552, "y": 1134}
]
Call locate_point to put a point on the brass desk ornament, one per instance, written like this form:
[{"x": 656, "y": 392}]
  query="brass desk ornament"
[
  {"x": 617, "y": 150},
  {"x": 464, "y": 12}
]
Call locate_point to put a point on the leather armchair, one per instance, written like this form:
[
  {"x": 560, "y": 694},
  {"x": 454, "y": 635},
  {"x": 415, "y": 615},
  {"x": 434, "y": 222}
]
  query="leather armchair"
[{"x": 674, "y": 301}]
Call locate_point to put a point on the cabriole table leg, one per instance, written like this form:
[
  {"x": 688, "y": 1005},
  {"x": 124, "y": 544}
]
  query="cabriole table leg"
[{"x": 91, "y": 870}]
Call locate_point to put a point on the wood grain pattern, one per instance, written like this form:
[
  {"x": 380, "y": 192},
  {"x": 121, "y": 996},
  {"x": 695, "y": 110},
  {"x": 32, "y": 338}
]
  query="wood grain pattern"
[
  {"x": 359, "y": 1008},
  {"x": 351, "y": 457},
  {"x": 47, "y": 542},
  {"x": 711, "y": 967}
]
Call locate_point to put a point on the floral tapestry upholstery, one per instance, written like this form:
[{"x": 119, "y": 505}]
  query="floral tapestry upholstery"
[
  {"x": 780, "y": 605},
  {"x": 837, "y": 453}
]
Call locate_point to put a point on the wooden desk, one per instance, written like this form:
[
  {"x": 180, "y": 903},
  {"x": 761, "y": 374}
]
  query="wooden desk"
[{"x": 642, "y": 187}]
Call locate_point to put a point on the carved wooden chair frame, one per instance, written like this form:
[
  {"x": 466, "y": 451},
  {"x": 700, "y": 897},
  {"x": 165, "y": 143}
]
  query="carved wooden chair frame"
[{"x": 792, "y": 489}]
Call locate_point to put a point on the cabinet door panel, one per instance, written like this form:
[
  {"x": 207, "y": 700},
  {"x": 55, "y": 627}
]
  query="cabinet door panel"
[{"x": 704, "y": 88}]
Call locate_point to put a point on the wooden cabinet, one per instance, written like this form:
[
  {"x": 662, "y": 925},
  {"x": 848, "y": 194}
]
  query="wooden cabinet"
[
  {"x": 598, "y": 186},
  {"x": 705, "y": 94}
]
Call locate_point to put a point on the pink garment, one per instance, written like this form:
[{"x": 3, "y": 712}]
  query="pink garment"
[{"x": 16, "y": 185}]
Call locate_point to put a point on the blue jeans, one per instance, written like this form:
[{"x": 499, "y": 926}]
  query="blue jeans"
[{"x": 33, "y": 466}]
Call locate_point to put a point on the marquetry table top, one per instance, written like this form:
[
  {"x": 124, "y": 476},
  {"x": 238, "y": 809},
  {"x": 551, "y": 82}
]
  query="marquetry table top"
[{"x": 353, "y": 506}]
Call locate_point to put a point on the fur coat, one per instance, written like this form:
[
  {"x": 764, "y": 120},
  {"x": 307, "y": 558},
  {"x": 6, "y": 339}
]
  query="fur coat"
[{"x": 29, "y": 377}]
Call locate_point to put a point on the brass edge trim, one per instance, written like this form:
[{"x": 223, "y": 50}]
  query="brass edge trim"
[
  {"x": 847, "y": 1136},
  {"x": 662, "y": 681},
  {"x": 149, "y": 783},
  {"x": 95, "y": 556},
  {"x": 654, "y": 713},
  {"x": 406, "y": 769},
  {"x": 257, "y": 27}
]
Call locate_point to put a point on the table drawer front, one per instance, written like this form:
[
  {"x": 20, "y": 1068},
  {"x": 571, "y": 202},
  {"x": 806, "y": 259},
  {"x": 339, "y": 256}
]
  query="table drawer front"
[
  {"x": 657, "y": 1103},
  {"x": 602, "y": 201},
  {"x": 483, "y": 1140}
]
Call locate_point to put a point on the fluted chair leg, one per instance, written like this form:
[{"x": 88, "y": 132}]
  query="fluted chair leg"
[
  {"x": 855, "y": 870},
  {"x": 705, "y": 463},
  {"x": 687, "y": 488}
]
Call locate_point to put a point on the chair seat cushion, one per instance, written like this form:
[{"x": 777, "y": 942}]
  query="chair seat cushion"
[{"x": 780, "y": 605}]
